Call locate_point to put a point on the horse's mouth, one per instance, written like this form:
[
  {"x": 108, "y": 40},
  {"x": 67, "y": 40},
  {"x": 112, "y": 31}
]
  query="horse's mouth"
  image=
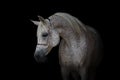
[{"x": 40, "y": 59}]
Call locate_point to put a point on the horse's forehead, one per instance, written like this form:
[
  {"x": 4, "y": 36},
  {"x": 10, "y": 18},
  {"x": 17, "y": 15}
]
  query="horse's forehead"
[
  {"x": 42, "y": 27},
  {"x": 41, "y": 24}
]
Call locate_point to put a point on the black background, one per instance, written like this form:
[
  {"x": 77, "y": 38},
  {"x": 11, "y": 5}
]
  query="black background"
[{"x": 20, "y": 37}]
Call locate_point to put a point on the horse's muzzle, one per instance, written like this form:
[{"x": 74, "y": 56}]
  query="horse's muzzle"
[{"x": 40, "y": 55}]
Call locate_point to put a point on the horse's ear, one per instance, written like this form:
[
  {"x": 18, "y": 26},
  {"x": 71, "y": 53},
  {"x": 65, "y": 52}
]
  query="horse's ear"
[
  {"x": 41, "y": 19},
  {"x": 35, "y": 22}
]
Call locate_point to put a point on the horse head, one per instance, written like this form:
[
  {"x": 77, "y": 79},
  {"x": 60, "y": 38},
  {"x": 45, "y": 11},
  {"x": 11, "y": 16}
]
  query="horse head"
[{"x": 47, "y": 38}]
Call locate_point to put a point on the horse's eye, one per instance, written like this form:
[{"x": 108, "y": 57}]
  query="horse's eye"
[{"x": 45, "y": 34}]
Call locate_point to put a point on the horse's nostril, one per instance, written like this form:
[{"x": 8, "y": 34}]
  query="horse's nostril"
[{"x": 37, "y": 57}]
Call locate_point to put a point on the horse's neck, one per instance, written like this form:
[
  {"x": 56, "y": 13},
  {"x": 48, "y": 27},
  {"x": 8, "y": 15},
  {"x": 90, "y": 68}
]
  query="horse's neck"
[
  {"x": 69, "y": 38},
  {"x": 65, "y": 31}
]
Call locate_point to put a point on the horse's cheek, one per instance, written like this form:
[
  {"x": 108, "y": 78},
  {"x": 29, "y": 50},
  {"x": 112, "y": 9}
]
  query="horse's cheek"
[{"x": 54, "y": 40}]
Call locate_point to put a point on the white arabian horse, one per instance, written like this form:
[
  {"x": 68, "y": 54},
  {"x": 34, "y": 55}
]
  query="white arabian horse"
[{"x": 80, "y": 47}]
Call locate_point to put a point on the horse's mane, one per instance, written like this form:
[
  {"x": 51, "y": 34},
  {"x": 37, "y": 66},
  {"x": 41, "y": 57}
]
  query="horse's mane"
[{"x": 74, "y": 22}]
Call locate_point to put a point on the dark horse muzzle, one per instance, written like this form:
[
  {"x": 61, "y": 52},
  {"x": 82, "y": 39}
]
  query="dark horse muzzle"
[{"x": 40, "y": 53}]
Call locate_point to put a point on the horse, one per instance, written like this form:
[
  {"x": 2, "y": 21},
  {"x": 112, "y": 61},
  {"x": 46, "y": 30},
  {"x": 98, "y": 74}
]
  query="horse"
[{"x": 80, "y": 49}]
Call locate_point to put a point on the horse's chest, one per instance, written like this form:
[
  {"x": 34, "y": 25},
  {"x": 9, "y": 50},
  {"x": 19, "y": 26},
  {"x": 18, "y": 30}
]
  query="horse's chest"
[{"x": 68, "y": 58}]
